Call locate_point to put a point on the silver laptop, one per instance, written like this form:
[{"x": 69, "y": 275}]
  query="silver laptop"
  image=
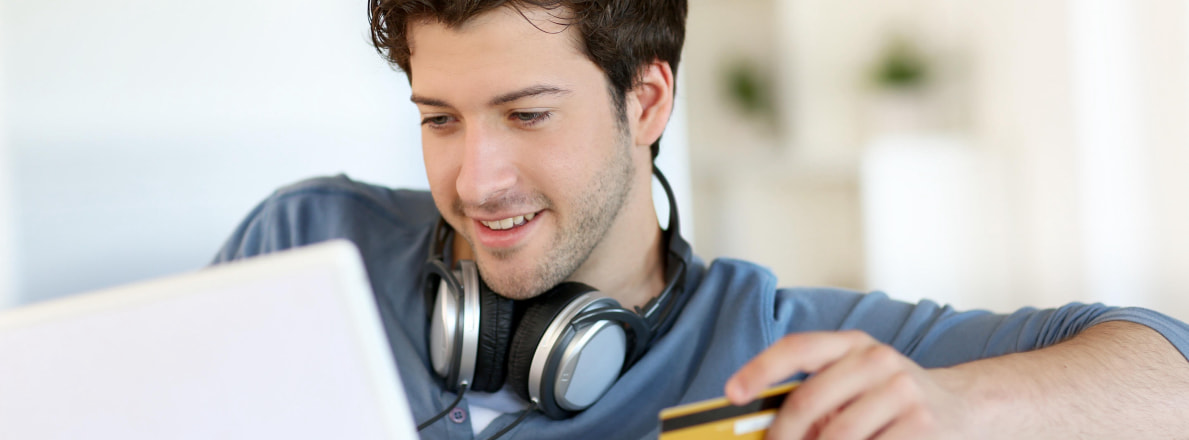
[{"x": 284, "y": 346}]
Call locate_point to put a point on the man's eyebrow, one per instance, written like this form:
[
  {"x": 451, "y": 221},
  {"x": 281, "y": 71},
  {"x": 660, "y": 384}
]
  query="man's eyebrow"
[
  {"x": 527, "y": 92},
  {"x": 428, "y": 101},
  {"x": 536, "y": 90}
]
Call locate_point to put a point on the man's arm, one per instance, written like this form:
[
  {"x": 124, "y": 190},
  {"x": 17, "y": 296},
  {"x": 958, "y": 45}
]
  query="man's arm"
[{"x": 1114, "y": 380}]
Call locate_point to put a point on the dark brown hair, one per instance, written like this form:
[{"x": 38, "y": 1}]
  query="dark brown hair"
[{"x": 619, "y": 36}]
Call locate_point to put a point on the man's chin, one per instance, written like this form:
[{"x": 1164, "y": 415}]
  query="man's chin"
[
  {"x": 514, "y": 290},
  {"x": 511, "y": 281}
]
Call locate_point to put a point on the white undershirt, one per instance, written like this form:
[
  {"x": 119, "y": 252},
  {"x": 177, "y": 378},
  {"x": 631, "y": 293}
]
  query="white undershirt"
[{"x": 486, "y": 407}]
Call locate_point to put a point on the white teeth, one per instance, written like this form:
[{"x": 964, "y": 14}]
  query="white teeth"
[{"x": 509, "y": 222}]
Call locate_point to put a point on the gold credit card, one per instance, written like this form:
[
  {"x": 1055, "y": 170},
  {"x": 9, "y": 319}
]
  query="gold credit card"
[{"x": 719, "y": 419}]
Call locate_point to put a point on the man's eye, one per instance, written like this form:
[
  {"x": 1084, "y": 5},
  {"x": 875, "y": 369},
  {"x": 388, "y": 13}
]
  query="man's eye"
[
  {"x": 531, "y": 118},
  {"x": 435, "y": 120}
]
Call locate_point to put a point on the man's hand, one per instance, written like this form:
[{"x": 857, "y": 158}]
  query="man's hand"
[{"x": 859, "y": 389}]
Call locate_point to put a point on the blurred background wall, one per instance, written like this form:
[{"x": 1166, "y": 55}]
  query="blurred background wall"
[
  {"x": 985, "y": 153},
  {"x": 7, "y": 272},
  {"x": 141, "y": 132}
]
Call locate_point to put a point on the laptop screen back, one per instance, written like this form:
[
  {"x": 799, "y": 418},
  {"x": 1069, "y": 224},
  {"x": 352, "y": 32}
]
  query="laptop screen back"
[{"x": 283, "y": 346}]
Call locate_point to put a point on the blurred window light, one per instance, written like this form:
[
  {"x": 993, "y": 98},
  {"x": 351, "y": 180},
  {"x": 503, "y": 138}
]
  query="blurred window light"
[
  {"x": 1112, "y": 149},
  {"x": 7, "y": 271}
]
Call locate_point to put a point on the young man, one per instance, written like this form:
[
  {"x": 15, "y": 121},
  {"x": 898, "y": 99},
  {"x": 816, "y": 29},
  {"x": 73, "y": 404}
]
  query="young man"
[{"x": 540, "y": 120}]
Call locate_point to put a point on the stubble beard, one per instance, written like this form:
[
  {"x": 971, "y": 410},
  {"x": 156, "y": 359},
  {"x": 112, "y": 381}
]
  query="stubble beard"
[{"x": 574, "y": 240}]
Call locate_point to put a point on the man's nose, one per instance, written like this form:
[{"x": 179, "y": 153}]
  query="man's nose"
[{"x": 488, "y": 167}]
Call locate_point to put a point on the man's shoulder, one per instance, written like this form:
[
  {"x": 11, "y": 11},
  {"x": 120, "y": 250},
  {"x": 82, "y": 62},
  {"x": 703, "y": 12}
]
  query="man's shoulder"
[
  {"x": 330, "y": 207},
  {"x": 342, "y": 189},
  {"x": 741, "y": 276},
  {"x": 337, "y": 198},
  {"x": 732, "y": 271}
]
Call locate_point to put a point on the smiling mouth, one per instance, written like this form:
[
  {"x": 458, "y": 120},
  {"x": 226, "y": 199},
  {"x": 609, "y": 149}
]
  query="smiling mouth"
[{"x": 508, "y": 223}]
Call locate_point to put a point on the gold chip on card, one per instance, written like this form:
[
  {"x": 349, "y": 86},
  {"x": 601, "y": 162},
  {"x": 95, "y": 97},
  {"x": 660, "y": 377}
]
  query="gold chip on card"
[{"x": 718, "y": 419}]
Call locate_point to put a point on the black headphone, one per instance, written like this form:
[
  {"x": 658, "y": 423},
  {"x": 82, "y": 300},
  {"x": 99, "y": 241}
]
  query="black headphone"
[{"x": 560, "y": 350}]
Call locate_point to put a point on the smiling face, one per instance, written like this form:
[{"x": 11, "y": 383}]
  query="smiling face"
[{"x": 527, "y": 157}]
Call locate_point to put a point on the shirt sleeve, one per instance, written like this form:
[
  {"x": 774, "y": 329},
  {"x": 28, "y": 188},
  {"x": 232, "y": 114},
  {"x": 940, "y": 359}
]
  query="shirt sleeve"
[
  {"x": 304, "y": 213},
  {"x": 938, "y": 336},
  {"x": 279, "y": 222},
  {"x": 245, "y": 241}
]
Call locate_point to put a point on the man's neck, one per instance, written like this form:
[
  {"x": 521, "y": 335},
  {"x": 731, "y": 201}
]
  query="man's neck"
[{"x": 629, "y": 264}]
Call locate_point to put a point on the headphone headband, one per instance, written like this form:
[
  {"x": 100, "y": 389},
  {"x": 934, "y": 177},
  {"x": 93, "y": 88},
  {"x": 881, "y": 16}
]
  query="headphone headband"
[{"x": 661, "y": 311}]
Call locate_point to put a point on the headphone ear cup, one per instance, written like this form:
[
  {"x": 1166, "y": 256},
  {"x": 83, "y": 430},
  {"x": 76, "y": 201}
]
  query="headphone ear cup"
[
  {"x": 495, "y": 329},
  {"x": 528, "y": 335},
  {"x": 444, "y": 340},
  {"x": 454, "y": 335}
]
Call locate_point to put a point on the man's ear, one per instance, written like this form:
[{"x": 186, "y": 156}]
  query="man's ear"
[{"x": 650, "y": 102}]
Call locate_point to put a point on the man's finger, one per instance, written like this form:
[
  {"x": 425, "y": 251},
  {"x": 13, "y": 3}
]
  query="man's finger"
[
  {"x": 861, "y": 370},
  {"x": 801, "y": 352},
  {"x": 873, "y": 411}
]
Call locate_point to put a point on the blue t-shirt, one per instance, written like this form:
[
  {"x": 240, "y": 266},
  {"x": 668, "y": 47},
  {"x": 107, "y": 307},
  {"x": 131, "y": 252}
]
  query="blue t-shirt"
[{"x": 735, "y": 310}]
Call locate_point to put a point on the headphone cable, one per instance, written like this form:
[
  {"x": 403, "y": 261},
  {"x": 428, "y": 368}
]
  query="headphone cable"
[
  {"x": 532, "y": 407},
  {"x": 462, "y": 389}
]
